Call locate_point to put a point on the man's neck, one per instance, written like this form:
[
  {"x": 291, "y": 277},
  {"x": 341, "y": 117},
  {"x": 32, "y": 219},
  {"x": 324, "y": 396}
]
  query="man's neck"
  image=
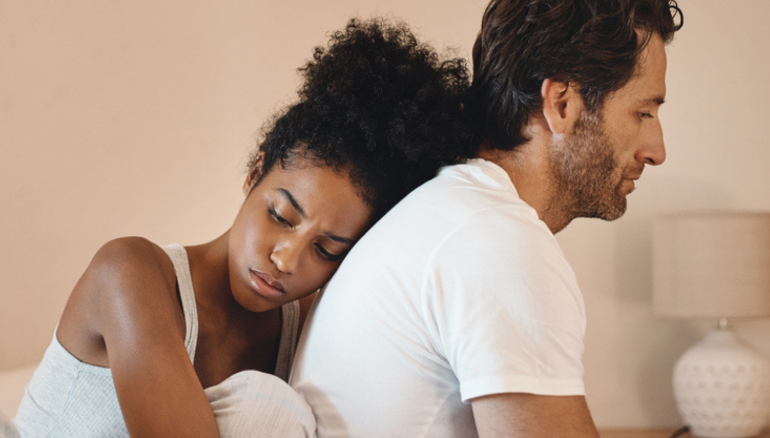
[{"x": 529, "y": 169}]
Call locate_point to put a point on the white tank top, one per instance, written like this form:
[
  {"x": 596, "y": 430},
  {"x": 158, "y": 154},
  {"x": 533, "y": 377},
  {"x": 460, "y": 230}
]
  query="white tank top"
[{"x": 67, "y": 398}]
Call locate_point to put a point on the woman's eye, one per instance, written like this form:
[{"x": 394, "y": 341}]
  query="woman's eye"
[
  {"x": 277, "y": 217},
  {"x": 645, "y": 115},
  {"x": 327, "y": 255}
]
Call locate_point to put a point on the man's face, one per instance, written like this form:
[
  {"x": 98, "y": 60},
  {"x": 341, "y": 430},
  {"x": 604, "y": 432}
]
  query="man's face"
[{"x": 596, "y": 165}]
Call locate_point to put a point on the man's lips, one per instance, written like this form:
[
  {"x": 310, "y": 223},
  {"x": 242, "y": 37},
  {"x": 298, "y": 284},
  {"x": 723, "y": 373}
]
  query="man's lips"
[
  {"x": 633, "y": 175},
  {"x": 265, "y": 284},
  {"x": 630, "y": 182},
  {"x": 631, "y": 178}
]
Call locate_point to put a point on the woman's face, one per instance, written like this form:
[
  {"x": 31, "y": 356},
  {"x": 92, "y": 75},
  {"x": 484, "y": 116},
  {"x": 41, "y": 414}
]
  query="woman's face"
[{"x": 292, "y": 232}]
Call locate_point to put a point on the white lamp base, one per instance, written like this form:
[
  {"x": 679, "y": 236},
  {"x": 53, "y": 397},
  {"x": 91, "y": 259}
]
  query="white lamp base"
[{"x": 722, "y": 387}]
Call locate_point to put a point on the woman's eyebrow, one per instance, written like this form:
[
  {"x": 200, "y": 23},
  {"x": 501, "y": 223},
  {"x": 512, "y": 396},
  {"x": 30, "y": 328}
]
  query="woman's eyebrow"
[
  {"x": 289, "y": 197},
  {"x": 287, "y": 194}
]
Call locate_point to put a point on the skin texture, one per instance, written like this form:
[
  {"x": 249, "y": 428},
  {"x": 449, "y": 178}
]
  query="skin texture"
[
  {"x": 574, "y": 166},
  {"x": 533, "y": 416},
  {"x": 293, "y": 231},
  {"x": 568, "y": 152},
  {"x": 596, "y": 166},
  {"x": 124, "y": 312},
  {"x": 584, "y": 169}
]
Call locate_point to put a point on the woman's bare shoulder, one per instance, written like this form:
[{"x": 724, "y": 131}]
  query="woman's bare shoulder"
[
  {"x": 126, "y": 277},
  {"x": 129, "y": 295},
  {"x": 130, "y": 256}
]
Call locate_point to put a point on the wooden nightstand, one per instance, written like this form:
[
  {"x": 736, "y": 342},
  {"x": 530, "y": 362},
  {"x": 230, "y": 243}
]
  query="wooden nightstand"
[
  {"x": 651, "y": 433},
  {"x": 636, "y": 433}
]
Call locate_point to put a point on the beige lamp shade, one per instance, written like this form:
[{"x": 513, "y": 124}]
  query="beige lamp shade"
[{"x": 712, "y": 265}]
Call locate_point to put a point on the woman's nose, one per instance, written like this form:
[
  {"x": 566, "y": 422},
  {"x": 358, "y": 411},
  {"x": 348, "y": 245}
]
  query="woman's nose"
[{"x": 286, "y": 256}]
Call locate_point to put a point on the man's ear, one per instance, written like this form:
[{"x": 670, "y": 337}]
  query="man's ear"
[
  {"x": 562, "y": 104},
  {"x": 254, "y": 173}
]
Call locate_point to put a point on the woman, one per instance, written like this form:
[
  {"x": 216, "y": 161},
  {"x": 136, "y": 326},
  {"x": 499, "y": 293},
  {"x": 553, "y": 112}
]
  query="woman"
[{"x": 147, "y": 328}]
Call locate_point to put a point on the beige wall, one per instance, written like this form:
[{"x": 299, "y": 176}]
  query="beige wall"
[{"x": 136, "y": 119}]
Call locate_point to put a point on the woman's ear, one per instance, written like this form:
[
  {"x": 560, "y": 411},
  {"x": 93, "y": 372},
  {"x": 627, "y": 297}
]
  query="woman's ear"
[
  {"x": 562, "y": 104},
  {"x": 254, "y": 173}
]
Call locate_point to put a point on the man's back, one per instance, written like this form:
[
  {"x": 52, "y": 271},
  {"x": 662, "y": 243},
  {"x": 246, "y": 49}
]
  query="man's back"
[{"x": 459, "y": 292}]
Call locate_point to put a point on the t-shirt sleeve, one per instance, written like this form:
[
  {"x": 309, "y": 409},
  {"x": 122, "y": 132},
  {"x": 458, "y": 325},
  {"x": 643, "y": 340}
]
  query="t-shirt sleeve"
[{"x": 505, "y": 308}]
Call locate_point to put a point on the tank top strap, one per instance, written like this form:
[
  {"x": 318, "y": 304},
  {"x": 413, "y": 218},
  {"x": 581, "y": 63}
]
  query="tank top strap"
[
  {"x": 289, "y": 332},
  {"x": 178, "y": 257}
]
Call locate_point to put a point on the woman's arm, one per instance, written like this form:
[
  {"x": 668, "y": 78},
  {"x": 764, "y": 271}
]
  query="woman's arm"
[{"x": 129, "y": 293}]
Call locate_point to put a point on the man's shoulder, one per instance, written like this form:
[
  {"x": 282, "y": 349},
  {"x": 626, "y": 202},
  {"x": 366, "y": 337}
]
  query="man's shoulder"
[
  {"x": 464, "y": 209},
  {"x": 458, "y": 192}
]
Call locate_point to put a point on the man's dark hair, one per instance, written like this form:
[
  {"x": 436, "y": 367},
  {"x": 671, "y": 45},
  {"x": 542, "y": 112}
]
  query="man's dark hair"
[
  {"x": 378, "y": 104},
  {"x": 591, "y": 43}
]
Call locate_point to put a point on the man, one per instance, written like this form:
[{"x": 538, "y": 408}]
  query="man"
[{"x": 457, "y": 314}]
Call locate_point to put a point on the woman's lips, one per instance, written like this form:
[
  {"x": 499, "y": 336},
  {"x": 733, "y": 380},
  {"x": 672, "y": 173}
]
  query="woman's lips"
[{"x": 265, "y": 284}]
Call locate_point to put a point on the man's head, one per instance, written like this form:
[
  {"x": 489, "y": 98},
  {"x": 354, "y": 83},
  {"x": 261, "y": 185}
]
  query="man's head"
[
  {"x": 592, "y": 72},
  {"x": 594, "y": 164},
  {"x": 592, "y": 44}
]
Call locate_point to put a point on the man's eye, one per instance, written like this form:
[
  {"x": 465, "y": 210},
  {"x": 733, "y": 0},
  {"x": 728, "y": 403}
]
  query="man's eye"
[{"x": 645, "y": 115}]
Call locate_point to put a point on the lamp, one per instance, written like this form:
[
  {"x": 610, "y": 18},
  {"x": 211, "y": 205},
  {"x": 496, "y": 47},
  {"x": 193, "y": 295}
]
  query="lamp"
[{"x": 716, "y": 265}]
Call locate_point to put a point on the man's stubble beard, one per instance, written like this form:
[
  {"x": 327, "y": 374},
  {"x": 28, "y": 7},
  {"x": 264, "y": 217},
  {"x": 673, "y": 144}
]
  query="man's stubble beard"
[{"x": 586, "y": 174}]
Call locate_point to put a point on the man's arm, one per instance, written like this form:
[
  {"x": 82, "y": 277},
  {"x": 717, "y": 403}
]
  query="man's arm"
[{"x": 533, "y": 416}]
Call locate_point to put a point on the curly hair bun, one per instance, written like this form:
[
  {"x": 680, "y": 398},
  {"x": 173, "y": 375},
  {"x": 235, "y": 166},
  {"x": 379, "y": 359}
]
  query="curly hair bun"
[{"x": 381, "y": 105}]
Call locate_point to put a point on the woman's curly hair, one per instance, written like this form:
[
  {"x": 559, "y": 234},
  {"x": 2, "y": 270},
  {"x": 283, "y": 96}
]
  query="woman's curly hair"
[{"x": 378, "y": 104}]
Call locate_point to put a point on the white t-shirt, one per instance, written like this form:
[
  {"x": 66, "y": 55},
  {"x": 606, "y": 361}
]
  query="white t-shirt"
[{"x": 460, "y": 291}]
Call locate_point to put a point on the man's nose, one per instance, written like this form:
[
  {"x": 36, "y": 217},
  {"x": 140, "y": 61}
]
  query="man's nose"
[{"x": 653, "y": 151}]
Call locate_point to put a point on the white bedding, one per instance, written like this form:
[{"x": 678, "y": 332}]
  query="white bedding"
[{"x": 11, "y": 390}]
